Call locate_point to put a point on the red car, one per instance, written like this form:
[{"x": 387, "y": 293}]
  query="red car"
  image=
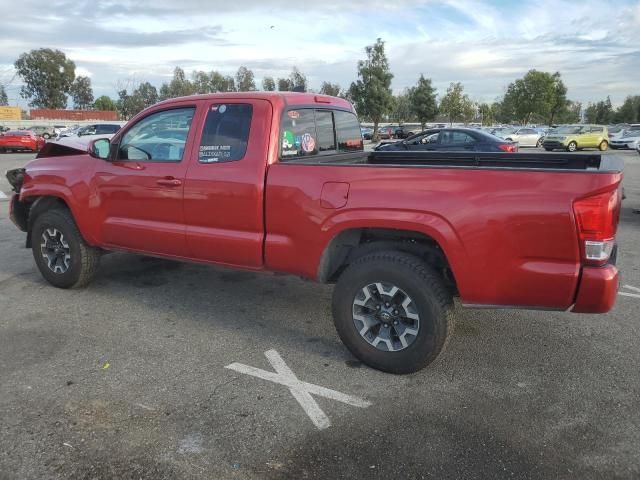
[
  {"x": 272, "y": 181},
  {"x": 20, "y": 140}
]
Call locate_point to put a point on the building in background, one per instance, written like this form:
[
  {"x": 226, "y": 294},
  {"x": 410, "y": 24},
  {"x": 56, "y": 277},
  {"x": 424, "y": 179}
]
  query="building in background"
[
  {"x": 11, "y": 113},
  {"x": 72, "y": 115}
]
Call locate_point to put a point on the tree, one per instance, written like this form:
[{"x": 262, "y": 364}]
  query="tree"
[
  {"x": 469, "y": 110},
  {"x": 104, "y": 103},
  {"x": 453, "y": 103},
  {"x": 144, "y": 96},
  {"x": 284, "y": 85},
  {"x": 4, "y": 100},
  {"x": 298, "y": 80},
  {"x": 372, "y": 91},
  {"x": 423, "y": 101},
  {"x": 538, "y": 93},
  {"x": 179, "y": 86},
  {"x": 268, "y": 84},
  {"x": 244, "y": 80},
  {"x": 401, "y": 110},
  {"x": 47, "y": 75},
  {"x": 82, "y": 93},
  {"x": 558, "y": 98},
  {"x": 571, "y": 113},
  {"x": 125, "y": 105},
  {"x": 329, "y": 88},
  {"x": 486, "y": 113},
  {"x": 629, "y": 111}
]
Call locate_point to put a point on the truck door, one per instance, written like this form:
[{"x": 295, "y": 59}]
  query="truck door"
[
  {"x": 224, "y": 185},
  {"x": 139, "y": 191}
]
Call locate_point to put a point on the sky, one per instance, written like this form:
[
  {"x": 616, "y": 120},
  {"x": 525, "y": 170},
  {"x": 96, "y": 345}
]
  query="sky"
[{"x": 595, "y": 45}]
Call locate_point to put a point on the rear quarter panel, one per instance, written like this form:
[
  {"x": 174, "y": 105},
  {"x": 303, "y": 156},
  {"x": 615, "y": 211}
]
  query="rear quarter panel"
[{"x": 509, "y": 236}]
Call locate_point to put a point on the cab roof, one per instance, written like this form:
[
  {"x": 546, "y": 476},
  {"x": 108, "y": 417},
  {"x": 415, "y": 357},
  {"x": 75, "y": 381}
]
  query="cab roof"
[{"x": 287, "y": 98}]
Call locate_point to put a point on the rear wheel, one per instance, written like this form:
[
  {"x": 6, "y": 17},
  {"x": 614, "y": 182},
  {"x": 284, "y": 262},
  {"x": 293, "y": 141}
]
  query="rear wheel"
[
  {"x": 603, "y": 145},
  {"x": 572, "y": 147},
  {"x": 46, "y": 136},
  {"x": 539, "y": 143},
  {"x": 393, "y": 312},
  {"x": 61, "y": 254}
]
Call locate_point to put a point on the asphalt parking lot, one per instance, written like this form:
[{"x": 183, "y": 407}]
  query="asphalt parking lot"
[{"x": 127, "y": 379}]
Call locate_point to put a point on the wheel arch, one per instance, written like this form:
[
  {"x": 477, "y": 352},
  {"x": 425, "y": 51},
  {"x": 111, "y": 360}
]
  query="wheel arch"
[{"x": 350, "y": 244}]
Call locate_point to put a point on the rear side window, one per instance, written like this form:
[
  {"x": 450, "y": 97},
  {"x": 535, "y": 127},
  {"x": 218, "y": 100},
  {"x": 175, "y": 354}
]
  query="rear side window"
[
  {"x": 451, "y": 138},
  {"x": 226, "y": 133},
  {"x": 348, "y": 132},
  {"x": 309, "y": 131},
  {"x": 299, "y": 137}
]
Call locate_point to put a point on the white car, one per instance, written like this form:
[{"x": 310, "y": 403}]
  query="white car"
[
  {"x": 629, "y": 139},
  {"x": 526, "y": 137}
]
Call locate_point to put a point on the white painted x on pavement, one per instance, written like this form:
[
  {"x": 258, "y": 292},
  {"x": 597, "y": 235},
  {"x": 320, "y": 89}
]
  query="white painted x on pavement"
[{"x": 300, "y": 390}]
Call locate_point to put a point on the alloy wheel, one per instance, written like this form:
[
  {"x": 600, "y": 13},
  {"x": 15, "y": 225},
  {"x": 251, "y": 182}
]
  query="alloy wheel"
[
  {"x": 55, "y": 250},
  {"x": 386, "y": 317}
]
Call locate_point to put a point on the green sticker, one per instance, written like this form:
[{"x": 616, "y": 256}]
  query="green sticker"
[{"x": 288, "y": 140}]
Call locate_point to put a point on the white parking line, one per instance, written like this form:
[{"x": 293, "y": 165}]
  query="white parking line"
[
  {"x": 301, "y": 391},
  {"x": 632, "y": 288}
]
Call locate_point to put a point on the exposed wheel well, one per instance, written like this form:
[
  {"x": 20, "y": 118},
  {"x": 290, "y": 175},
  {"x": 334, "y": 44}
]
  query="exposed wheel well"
[
  {"x": 35, "y": 207},
  {"x": 352, "y": 244}
]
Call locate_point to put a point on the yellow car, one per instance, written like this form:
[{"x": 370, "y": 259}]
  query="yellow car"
[{"x": 575, "y": 137}]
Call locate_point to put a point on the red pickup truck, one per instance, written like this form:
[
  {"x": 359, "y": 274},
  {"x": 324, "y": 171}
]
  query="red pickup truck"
[{"x": 280, "y": 182}]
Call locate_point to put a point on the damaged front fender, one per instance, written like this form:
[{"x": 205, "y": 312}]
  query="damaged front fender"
[{"x": 16, "y": 178}]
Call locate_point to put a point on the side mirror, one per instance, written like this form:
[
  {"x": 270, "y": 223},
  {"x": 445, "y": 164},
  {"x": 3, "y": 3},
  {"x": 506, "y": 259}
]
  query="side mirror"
[{"x": 99, "y": 148}]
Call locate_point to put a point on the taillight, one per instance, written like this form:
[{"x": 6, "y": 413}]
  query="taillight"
[
  {"x": 508, "y": 147},
  {"x": 597, "y": 219}
]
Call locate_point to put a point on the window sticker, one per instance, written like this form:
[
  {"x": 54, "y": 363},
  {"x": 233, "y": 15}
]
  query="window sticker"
[
  {"x": 308, "y": 143},
  {"x": 293, "y": 114},
  {"x": 288, "y": 140}
]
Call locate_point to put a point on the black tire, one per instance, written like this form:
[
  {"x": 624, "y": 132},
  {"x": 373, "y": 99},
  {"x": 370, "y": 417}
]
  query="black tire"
[
  {"x": 572, "y": 147},
  {"x": 84, "y": 260},
  {"x": 604, "y": 145},
  {"x": 433, "y": 303},
  {"x": 548, "y": 149},
  {"x": 46, "y": 136},
  {"x": 539, "y": 143}
]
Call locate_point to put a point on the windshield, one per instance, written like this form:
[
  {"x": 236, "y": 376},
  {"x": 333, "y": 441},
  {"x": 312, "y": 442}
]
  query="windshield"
[{"x": 571, "y": 129}]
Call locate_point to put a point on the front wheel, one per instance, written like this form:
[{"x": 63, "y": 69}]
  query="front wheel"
[
  {"x": 603, "y": 145},
  {"x": 393, "y": 312},
  {"x": 572, "y": 147},
  {"x": 46, "y": 136},
  {"x": 61, "y": 254}
]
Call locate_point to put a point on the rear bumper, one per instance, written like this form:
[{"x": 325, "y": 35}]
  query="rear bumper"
[{"x": 598, "y": 290}]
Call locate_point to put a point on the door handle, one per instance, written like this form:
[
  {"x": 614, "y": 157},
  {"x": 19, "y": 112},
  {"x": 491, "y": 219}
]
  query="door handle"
[{"x": 169, "y": 182}]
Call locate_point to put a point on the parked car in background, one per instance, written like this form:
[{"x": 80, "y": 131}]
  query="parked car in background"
[
  {"x": 577, "y": 137},
  {"x": 452, "y": 140},
  {"x": 526, "y": 137},
  {"x": 20, "y": 141},
  {"x": 629, "y": 138},
  {"x": 57, "y": 129},
  {"x": 69, "y": 132},
  {"x": 98, "y": 129},
  {"x": 367, "y": 133},
  {"x": 502, "y": 132},
  {"x": 616, "y": 131},
  {"x": 386, "y": 133},
  {"x": 405, "y": 132},
  {"x": 43, "y": 131}
]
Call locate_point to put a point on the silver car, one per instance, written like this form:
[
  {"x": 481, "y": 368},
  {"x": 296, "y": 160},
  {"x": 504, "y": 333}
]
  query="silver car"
[
  {"x": 526, "y": 137},
  {"x": 630, "y": 139}
]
